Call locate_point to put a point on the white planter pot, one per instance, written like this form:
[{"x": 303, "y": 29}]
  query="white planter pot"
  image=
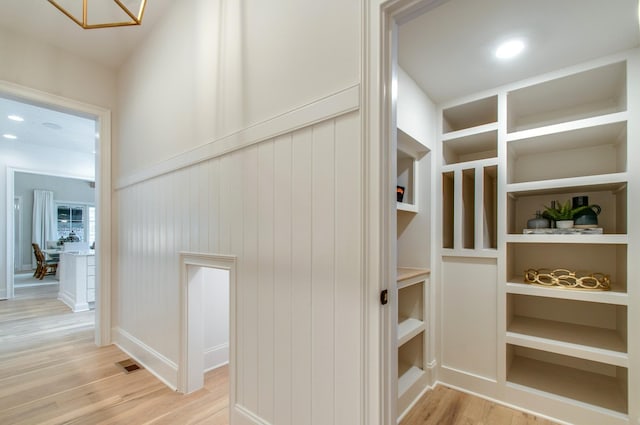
[{"x": 564, "y": 224}]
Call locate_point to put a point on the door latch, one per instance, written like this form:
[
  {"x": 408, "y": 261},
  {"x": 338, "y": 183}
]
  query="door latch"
[{"x": 384, "y": 297}]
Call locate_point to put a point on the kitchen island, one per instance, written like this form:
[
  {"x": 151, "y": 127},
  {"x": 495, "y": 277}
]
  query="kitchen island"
[{"x": 77, "y": 279}]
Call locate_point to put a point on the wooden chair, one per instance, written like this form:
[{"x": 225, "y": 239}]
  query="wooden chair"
[{"x": 44, "y": 267}]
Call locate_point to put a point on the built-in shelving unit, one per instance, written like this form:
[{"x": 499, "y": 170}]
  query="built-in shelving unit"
[
  {"x": 564, "y": 141},
  {"x": 413, "y": 259},
  {"x": 504, "y": 157},
  {"x": 469, "y": 142},
  {"x": 412, "y": 334}
]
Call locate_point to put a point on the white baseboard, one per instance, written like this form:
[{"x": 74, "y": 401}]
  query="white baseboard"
[
  {"x": 160, "y": 366},
  {"x": 215, "y": 357},
  {"x": 68, "y": 300},
  {"x": 242, "y": 416}
]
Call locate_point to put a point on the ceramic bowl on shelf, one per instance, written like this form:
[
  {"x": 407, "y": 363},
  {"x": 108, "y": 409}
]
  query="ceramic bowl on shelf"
[{"x": 564, "y": 224}]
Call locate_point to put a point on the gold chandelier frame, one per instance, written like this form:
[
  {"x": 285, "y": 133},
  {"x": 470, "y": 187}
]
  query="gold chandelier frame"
[{"x": 136, "y": 18}]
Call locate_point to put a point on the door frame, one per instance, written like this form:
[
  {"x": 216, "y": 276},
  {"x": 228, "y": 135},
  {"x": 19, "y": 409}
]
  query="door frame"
[
  {"x": 102, "y": 117},
  {"x": 17, "y": 238},
  {"x": 379, "y": 76},
  {"x": 191, "y": 323}
]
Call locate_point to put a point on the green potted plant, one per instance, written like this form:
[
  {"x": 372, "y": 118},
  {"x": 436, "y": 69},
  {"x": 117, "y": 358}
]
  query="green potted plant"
[{"x": 562, "y": 214}]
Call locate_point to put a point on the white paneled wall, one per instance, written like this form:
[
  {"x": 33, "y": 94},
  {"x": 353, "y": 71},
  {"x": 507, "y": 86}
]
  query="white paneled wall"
[{"x": 290, "y": 209}]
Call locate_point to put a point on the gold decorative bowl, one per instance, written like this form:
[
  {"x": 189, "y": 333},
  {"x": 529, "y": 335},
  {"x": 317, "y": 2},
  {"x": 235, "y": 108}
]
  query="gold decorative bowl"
[{"x": 563, "y": 278}]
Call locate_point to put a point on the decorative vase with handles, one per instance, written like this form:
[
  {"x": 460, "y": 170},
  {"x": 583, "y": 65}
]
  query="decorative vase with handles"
[{"x": 587, "y": 218}]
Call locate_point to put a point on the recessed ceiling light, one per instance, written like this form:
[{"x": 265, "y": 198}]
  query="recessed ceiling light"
[
  {"x": 15, "y": 118},
  {"x": 10, "y": 136},
  {"x": 510, "y": 49}
]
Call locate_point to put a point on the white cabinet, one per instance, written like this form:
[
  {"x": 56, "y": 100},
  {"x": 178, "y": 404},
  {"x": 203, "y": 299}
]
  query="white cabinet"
[
  {"x": 77, "y": 280},
  {"x": 569, "y": 354}
]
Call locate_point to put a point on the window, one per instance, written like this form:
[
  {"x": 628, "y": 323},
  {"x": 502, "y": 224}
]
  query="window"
[{"x": 77, "y": 218}]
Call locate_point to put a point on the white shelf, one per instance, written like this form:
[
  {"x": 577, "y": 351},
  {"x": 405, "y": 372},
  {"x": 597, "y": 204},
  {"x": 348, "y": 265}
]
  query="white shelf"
[
  {"x": 569, "y": 383},
  {"x": 402, "y": 206},
  {"x": 476, "y": 163},
  {"x": 408, "y": 328},
  {"x": 472, "y": 144},
  {"x": 471, "y": 114},
  {"x": 470, "y": 132},
  {"x": 481, "y": 253},
  {"x": 606, "y": 297},
  {"x": 564, "y": 128},
  {"x": 411, "y": 146},
  {"x": 409, "y": 378},
  {"x": 610, "y": 182},
  {"x": 586, "y": 342},
  {"x": 573, "y": 239}
]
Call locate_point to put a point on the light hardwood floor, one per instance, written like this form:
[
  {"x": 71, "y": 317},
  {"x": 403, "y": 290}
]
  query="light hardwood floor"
[
  {"x": 51, "y": 373},
  {"x": 445, "y": 406}
]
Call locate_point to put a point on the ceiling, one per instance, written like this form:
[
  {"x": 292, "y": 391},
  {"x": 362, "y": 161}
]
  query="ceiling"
[
  {"x": 39, "y": 20},
  {"x": 448, "y": 50},
  {"x": 46, "y": 128}
]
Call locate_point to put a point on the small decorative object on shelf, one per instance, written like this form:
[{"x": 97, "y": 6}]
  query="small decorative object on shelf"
[
  {"x": 563, "y": 278},
  {"x": 400, "y": 193},
  {"x": 563, "y": 214},
  {"x": 539, "y": 222},
  {"x": 588, "y": 217}
]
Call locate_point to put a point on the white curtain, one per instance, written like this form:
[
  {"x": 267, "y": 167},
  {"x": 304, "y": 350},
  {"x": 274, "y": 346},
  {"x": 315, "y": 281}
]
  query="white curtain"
[{"x": 44, "y": 218}]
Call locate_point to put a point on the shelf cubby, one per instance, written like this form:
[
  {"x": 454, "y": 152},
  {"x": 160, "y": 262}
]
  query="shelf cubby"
[
  {"x": 409, "y": 152},
  {"x": 579, "y": 152},
  {"x": 448, "y": 204},
  {"x": 412, "y": 378},
  {"x": 612, "y": 198},
  {"x": 406, "y": 176},
  {"x": 593, "y": 331},
  {"x": 471, "y": 147},
  {"x": 411, "y": 310},
  {"x": 586, "y": 94},
  {"x": 490, "y": 206},
  {"x": 470, "y": 114},
  {"x": 593, "y": 383},
  {"x": 609, "y": 259},
  {"x": 468, "y": 208}
]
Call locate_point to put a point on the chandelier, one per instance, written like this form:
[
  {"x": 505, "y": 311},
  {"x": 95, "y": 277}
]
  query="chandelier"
[{"x": 90, "y": 14}]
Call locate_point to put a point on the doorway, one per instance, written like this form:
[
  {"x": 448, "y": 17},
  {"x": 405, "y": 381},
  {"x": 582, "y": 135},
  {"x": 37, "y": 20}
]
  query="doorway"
[
  {"x": 207, "y": 332},
  {"x": 102, "y": 165}
]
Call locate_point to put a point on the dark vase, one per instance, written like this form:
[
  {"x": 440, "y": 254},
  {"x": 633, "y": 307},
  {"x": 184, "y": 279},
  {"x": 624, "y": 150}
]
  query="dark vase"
[{"x": 588, "y": 217}]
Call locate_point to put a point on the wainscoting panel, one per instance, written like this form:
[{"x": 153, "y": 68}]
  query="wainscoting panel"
[{"x": 290, "y": 209}]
